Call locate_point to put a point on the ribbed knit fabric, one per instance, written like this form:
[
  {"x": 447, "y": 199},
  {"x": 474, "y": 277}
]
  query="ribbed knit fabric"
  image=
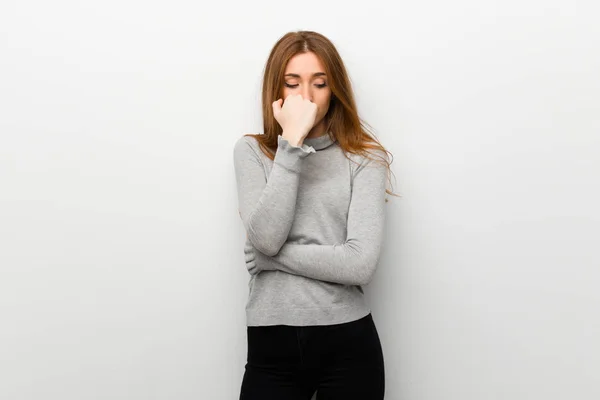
[{"x": 314, "y": 221}]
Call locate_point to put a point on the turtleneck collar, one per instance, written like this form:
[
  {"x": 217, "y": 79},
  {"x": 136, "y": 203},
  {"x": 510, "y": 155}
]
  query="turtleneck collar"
[{"x": 319, "y": 142}]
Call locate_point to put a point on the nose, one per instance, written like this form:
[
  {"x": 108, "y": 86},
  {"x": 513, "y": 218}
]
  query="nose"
[{"x": 306, "y": 92}]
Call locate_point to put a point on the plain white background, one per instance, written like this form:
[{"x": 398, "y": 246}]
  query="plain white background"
[{"x": 121, "y": 249}]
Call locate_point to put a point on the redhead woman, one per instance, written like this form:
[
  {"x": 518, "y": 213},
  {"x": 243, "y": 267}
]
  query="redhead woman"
[{"x": 311, "y": 193}]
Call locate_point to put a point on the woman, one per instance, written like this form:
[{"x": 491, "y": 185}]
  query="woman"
[{"x": 311, "y": 194}]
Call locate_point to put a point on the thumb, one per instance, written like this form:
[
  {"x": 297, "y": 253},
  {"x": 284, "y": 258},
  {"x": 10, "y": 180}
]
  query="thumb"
[{"x": 277, "y": 107}]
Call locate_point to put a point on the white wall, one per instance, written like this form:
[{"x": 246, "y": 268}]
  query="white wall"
[{"x": 121, "y": 261}]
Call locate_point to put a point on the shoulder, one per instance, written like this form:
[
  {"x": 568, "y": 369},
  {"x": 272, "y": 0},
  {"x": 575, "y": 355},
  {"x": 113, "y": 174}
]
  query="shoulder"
[
  {"x": 372, "y": 158},
  {"x": 245, "y": 144},
  {"x": 244, "y": 141}
]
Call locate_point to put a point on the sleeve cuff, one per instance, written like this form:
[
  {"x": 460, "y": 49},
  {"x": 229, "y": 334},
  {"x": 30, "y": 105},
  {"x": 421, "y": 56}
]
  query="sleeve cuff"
[{"x": 290, "y": 156}]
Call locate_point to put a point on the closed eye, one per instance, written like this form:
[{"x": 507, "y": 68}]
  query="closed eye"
[{"x": 320, "y": 86}]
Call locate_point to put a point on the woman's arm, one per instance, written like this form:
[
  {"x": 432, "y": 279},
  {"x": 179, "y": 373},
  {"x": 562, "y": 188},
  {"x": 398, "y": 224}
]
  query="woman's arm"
[
  {"x": 267, "y": 206},
  {"x": 352, "y": 262}
]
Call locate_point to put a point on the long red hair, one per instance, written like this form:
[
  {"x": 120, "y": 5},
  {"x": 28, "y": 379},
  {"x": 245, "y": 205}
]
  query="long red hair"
[{"x": 342, "y": 120}]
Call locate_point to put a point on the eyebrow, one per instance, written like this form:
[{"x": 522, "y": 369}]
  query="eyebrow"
[{"x": 315, "y": 74}]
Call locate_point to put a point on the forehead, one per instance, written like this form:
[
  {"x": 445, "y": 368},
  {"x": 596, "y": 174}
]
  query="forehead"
[{"x": 305, "y": 64}]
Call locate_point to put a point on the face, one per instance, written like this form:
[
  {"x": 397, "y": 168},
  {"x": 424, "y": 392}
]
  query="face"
[{"x": 305, "y": 75}]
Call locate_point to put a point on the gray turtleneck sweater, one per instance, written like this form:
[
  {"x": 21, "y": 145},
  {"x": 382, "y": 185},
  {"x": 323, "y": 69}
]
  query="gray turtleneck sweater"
[{"x": 314, "y": 221}]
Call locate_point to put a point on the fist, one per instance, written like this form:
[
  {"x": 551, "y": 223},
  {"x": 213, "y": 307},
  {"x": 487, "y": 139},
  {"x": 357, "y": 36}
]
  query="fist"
[{"x": 296, "y": 117}]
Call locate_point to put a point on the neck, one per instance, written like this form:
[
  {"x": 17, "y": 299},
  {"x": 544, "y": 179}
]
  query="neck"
[{"x": 317, "y": 130}]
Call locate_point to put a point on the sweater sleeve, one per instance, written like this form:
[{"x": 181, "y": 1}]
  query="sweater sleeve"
[
  {"x": 267, "y": 205},
  {"x": 353, "y": 262}
]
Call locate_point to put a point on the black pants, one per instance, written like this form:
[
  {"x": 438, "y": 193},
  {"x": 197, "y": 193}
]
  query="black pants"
[{"x": 342, "y": 361}]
